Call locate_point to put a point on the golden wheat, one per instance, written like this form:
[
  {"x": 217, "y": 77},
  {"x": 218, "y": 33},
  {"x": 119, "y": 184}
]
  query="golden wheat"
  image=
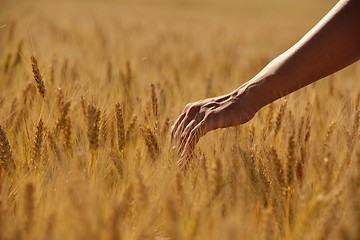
[
  {"x": 37, "y": 76},
  {"x": 94, "y": 160},
  {"x": 120, "y": 127},
  {"x": 36, "y": 157},
  {"x": 6, "y": 158}
]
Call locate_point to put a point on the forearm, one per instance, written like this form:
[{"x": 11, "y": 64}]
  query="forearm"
[{"x": 331, "y": 45}]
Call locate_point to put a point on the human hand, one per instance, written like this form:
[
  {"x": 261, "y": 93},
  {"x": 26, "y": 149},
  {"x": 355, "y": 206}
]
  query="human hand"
[{"x": 206, "y": 115}]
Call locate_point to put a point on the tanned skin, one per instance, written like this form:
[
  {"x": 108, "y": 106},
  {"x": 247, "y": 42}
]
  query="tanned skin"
[{"x": 332, "y": 44}]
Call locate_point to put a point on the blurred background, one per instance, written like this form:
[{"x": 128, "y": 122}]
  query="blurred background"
[
  {"x": 118, "y": 73},
  {"x": 197, "y": 39},
  {"x": 249, "y": 27}
]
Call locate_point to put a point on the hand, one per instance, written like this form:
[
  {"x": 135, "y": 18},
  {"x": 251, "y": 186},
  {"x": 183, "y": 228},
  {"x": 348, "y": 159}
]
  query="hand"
[{"x": 200, "y": 117}]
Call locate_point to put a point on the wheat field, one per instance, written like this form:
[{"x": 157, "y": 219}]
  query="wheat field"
[{"x": 89, "y": 90}]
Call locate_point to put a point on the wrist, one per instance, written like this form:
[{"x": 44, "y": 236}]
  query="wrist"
[
  {"x": 261, "y": 90},
  {"x": 248, "y": 97}
]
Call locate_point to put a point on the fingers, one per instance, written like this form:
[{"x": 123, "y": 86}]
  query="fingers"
[
  {"x": 192, "y": 124},
  {"x": 187, "y": 148},
  {"x": 183, "y": 121},
  {"x": 181, "y": 127},
  {"x": 175, "y": 127},
  {"x": 193, "y": 137},
  {"x": 185, "y": 133}
]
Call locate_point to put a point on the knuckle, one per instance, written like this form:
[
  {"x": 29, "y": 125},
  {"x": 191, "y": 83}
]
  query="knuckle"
[
  {"x": 187, "y": 106},
  {"x": 172, "y": 130},
  {"x": 201, "y": 115},
  {"x": 193, "y": 105},
  {"x": 182, "y": 115},
  {"x": 209, "y": 115},
  {"x": 203, "y": 110},
  {"x": 192, "y": 109},
  {"x": 211, "y": 105}
]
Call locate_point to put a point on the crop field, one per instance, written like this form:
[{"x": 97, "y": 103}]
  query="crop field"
[{"x": 90, "y": 89}]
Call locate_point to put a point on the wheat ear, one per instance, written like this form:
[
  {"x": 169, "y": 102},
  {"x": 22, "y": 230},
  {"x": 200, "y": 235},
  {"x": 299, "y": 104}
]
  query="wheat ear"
[
  {"x": 37, "y": 76},
  {"x": 6, "y": 157}
]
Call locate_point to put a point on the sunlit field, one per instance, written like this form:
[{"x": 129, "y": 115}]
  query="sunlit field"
[{"x": 90, "y": 89}]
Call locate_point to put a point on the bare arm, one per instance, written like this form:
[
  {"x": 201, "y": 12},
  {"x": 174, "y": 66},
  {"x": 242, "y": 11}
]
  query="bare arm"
[{"x": 331, "y": 45}]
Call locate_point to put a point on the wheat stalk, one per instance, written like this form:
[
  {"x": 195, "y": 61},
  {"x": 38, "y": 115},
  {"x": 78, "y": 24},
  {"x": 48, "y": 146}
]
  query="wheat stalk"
[
  {"x": 36, "y": 158},
  {"x": 279, "y": 171},
  {"x": 50, "y": 226},
  {"x": 84, "y": 106},
  {"x": 114, "y": 224},
  {"x": 19, "y": 50},
  {"x": 279, "y": 117},
  {"x": 29, "y": 206},
  {"x": 60, "y": 99},
  {"x": 29, "y": 94},
  {"x": 132, "y": 129},
  {"x": 291, "y": 160},
  {"x": 151, "y": 141},
  {"x": 1, "y": 102},
  {"x": 7, "y": 63},
  {"x": 118, "y": 163},
  {"x": 104, "y": 127},
  {"x": 37, "y": 76},
  {"x": 165, "y": 127},
  {"x": 268, "y": 225},
  {"x": 62, "y": 120},
  {"x": 52, "y": 71},
  {"x": 109, "y": 71},
  {"x": 93, "y": 115},
  {"x": 54, "y": 147},
  {"x": 120, "y": 127},
  {"x": 215, "y": 178},
  {"x": 155, "y": 105},
  {"x": 173, "y": 223},
  {"x": 64, "y": 69},
  {"x": 6, "y": 157},
  {"x": 129, "y": 75},
  {"x": 327, "y": 138},
  {"x": 141, "y": 193},
  {"x": 251, "y": 135}
]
